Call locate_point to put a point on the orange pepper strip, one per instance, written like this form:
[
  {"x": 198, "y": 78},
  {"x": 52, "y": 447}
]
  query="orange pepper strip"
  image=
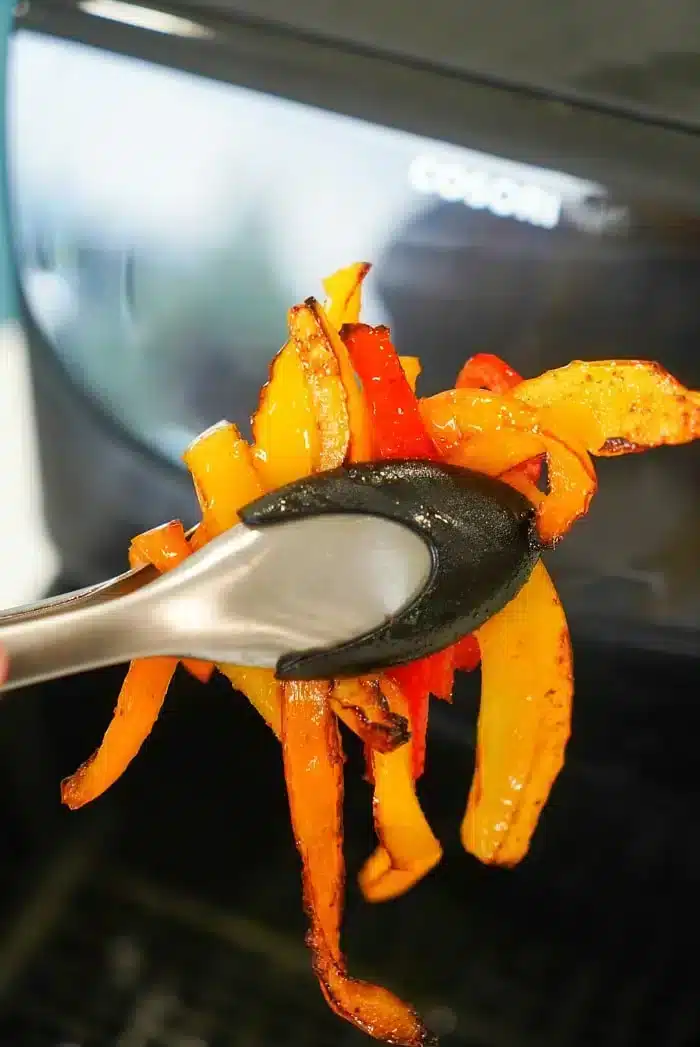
[
  {"x": 407, "y": 849},
  {"x": 454, "y": 418},
  {"x": 313, "y": 767},
  {"x": 524, "y": 721},
  {"x": 486, "y": 371},
  {"x": 362, "y": 706},
  {"x": 143, "y": 691},
  {"x": 322, "y": 370},
  {"x": 629, "y": 405}
]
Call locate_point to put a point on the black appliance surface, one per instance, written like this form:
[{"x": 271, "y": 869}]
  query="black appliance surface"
[{"x": 172, "y": 911}]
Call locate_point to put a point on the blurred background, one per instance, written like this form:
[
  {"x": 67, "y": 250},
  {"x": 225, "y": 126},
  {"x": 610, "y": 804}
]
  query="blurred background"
[{"x": 176, "y": 178}]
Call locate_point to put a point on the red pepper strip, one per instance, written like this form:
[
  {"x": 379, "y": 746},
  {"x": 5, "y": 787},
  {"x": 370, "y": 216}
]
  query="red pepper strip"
[
  {"x": 414, "y": 681},
  {"x": 467, "y": 654},
  {"x": 399, "y": 432},
  {"x": 398, "y": 428},
  {"x": 487, "y": 371},
  {"x": 313, "y": 769}
]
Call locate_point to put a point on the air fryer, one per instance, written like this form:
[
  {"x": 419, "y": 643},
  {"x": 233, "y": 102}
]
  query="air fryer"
[{"x": 153, "y": 296}]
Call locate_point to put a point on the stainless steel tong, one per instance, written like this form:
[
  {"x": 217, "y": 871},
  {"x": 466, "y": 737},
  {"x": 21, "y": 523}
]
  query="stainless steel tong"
[
  {"x": 345, "y": 572},
  {"x": 248, "y": 597}
]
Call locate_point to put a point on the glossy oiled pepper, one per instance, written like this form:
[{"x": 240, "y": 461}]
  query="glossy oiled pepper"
[{"x": 486, "y": 371}]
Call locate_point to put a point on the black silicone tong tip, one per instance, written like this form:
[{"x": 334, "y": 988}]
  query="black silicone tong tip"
[{"x": 481, "y": 534}]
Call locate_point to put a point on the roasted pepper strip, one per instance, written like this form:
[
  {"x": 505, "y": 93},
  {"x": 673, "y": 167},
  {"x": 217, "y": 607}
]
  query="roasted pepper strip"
[
  {"x": 454, "y": 417},
  {"x": 313, "y": 767},
  {"x": 344, "y": 290},
  {"x": 486, "y": 371},
  {"x": 362, "y": 706},
  {"x": 322, "y": 371},
  {"x": 625, "y": 406},
  {"x": 407, "y": 849},
  {"x": 397, "y": 427},
  {"x": 467, "y": 654},
  {"x": 224, "y": 476},
  {"x": 359, "y": 445},
  {"x": 284, "y": 426},
  {"x": 143, "y": 691},
  {"x": 524, "y": 721}
]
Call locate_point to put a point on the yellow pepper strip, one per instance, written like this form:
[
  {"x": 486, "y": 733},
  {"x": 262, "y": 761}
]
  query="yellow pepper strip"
[
  {"x": 456, "y": 417},
  {"x": 344, "y": 290},
  {"x": 361, "y": 705},
  {"x": 284, "y": 425},
  {"x": 407, "y": 849},
  {"x": 328, "y": 394},
  {"x": 224, "y": 476},
  {"x": 524, "y": 721},
  {"x": 412, "y": 368},
  {"x": 625, "y": 406},
  {"x": 261, "y": 689},
  {"x": 143, "y": 691},
  {"x": 313, "y": 767}
]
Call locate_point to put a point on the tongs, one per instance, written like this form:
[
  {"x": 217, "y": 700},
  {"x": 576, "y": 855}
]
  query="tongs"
[{"x": 345, "y": 572}]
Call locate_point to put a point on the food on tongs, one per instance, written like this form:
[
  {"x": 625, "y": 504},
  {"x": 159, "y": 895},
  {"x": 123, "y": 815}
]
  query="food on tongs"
[{"x": 339, "y": 393}]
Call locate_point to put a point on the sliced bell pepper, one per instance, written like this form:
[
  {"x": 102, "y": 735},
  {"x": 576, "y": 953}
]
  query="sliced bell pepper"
[
  {"x": 414, "y": 680},
  {"x": 486, "y": 371},
  {"x": 313, "y": 768},
  {"x": 361, "y": 705},
  {"x": 621, "y": 406},
  {"x": 407, "y": 849},
  {"x": 467, "y": 654},
  {"x": 524, "y": 720},
  {"x": 397, "y": 428},
  {"x": 359, "y": 446},
  {"x": 224, "y": 476},
  {"x": 454, "y": 418},
  {"x": 322, "y": 371},
  {"x": 284, "y": 425},
  {"x": 344, "y": 290},
  {"x": 143, "y": 691}
]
